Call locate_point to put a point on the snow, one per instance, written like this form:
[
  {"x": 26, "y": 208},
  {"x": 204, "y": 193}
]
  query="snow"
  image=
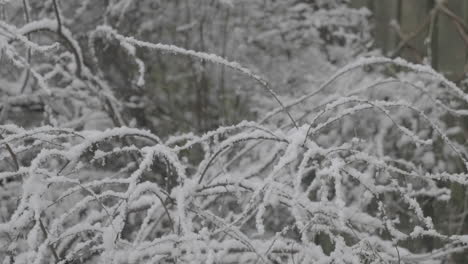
[{"x": 342, "y": 177}]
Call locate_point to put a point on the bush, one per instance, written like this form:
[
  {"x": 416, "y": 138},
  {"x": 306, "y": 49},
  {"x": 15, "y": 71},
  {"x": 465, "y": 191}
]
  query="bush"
[{"x": 352, "y": 171}]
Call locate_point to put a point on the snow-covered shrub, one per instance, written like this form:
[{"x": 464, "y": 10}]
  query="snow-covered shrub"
[{"x": 341, "y": 173}]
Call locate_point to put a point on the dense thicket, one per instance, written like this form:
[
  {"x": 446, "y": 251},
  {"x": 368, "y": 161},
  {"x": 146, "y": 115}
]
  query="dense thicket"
[{"x": 129, "y": 134}]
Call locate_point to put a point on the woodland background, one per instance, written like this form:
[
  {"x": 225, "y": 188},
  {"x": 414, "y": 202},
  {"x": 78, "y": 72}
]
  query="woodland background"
[{"x": 424, "y": 29}]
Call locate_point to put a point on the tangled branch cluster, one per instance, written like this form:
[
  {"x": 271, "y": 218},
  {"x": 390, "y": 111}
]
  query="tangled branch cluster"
[{"x": 316, "y": 189}]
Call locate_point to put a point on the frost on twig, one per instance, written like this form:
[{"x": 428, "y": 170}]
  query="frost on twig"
[{"x": 162, "y": 212}]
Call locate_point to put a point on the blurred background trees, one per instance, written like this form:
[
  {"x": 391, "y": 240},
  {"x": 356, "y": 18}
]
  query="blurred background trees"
[
  {"x": 289, "y": 42},
  {"x": 423, "y": 31}
]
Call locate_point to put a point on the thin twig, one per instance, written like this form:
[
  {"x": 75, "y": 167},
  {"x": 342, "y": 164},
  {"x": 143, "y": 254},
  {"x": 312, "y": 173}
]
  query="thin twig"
[
  {"x": 58, "y": 17},
  {"x": 404, "y": 42},
  {"x": 28, "y": 55},
  {"x": 44, "y": 231}
]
